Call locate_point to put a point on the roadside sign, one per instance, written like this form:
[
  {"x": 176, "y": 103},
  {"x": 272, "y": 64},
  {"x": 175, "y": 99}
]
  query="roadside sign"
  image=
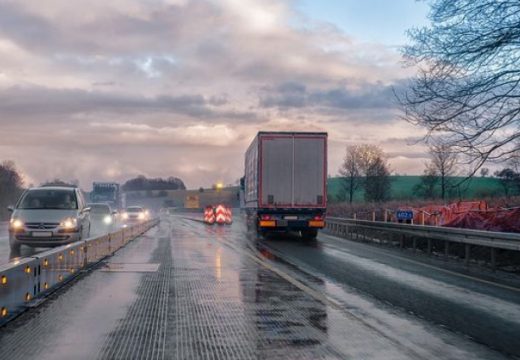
[{"x": 403, "y": 215}]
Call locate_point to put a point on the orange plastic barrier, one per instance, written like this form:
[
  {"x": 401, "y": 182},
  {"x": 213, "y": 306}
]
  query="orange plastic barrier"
[{"x": 209, "y": 215}]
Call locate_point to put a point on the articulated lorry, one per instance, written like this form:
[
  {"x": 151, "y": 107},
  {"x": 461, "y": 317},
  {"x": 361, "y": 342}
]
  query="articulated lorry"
[
  {"x": 285, "y": 182},
  {"x": 107, "y": 192}
]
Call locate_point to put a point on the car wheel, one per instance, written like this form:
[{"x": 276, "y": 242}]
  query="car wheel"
[{"x": 14, "y": 247}]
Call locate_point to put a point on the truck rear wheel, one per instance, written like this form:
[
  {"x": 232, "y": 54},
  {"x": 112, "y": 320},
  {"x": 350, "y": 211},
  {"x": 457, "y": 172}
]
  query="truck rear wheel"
[{"x": 310, "y": 234}]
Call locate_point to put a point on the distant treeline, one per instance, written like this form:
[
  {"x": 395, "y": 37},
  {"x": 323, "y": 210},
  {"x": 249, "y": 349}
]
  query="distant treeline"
[
  {"x": 141, "y": 183},
  {"x": 11, "y": 187}
]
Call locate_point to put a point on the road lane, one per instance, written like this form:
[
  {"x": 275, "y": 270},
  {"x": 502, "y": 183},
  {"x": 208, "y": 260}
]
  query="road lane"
[
  {"x": 215, "y": 295},
  {"x": 488, "y": 312}
]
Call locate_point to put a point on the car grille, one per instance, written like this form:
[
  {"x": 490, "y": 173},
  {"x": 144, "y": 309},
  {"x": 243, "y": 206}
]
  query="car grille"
[
  {"x": 42, "y": 239},
  {"x": 41, "y": 226}
]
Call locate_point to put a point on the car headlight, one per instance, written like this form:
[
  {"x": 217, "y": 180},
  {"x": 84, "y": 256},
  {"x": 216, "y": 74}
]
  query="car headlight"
[
  {"x": 16, "y": 224},
  {"x": 124, "y": 215},
  {"x": 69, "y": 223},
  {"x": 107, "y": 219},
  {"x": 141, "y": 215}
]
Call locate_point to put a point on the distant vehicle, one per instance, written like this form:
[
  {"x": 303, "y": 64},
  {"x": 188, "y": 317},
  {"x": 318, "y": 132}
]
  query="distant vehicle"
[
  {"x": 107, "y": 192},
  {"x": 191, "y": 202},
  {"x": 48, "y": 216},
  {"x": 285, "y": 182},
  {"x": 102, "y": 218},
  {"x": 135, "y": 214}
]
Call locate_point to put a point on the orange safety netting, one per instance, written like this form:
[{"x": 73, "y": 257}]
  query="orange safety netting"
[{"x": 469, "y": 215}]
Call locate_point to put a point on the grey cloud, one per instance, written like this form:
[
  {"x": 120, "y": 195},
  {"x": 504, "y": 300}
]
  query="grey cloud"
[
  {"x": 38, "y": 101},
  {"x": 296, "y": 95}
]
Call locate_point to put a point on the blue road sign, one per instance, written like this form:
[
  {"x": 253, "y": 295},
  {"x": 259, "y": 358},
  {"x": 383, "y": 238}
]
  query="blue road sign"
[{"x": 404, "y": 214}]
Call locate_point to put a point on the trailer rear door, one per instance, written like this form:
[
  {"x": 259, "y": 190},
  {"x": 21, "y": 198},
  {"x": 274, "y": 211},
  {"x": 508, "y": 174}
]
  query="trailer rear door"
[
  {"x": 309, "y": 171},
  {"x": 276, "y": 171}
]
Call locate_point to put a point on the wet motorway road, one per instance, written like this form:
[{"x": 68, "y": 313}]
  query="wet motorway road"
[{"x": 186, "y": 290}]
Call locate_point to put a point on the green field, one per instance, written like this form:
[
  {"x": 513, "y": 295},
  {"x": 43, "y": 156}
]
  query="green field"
[{"x": 402, "y": 188}]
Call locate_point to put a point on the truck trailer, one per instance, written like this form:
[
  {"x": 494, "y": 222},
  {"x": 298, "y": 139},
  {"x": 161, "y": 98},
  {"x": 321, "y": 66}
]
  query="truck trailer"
[
  {"x": 107, "y": 192},
  {"x": 285, "y": 182}
]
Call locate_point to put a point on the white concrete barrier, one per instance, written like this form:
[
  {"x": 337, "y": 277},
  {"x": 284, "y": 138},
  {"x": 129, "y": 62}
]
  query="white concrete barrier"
[{"x": 33, "y": 277}]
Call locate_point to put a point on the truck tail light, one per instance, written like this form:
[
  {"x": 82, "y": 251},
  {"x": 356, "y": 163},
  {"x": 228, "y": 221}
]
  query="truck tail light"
[
  {"x": 266, "y": 217},
  {"x": 267, "y": 223},
  {"x": 318, "y": 221}
]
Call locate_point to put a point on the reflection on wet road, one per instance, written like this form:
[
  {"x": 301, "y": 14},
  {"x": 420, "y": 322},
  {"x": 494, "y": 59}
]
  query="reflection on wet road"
[{"x": 219, "y": 293}]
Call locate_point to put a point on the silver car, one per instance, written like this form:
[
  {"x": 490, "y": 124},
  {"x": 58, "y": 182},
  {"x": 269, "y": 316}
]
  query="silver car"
[
  {"x": 48, "y": 216},
  {"x": 102, "y": 218},
  {"x": 134, "y": 214}
]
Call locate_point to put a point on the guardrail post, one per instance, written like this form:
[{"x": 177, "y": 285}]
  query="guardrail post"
[
  {"x": 401, "y": 241},
  {"x": 373, "y": 216},
  {"x": 467, "y": 253},
  {"x": 446, "y": 248},
  {"x": 429, "y": 246},
  {"x": 386, "y": 216},
  {"x": 355, "y": 216},
  {"x": 414, "y": 243},
  {"x": 422, "y": 217}
]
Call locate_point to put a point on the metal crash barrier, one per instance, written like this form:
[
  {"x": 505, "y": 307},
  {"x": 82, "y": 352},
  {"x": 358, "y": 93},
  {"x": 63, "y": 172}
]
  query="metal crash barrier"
[
  {"x": 468, "y": 238},
  {"x": 25, "y": 279}
]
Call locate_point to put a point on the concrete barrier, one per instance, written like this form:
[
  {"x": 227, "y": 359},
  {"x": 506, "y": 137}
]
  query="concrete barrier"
[{"x": 26, "y": 279}]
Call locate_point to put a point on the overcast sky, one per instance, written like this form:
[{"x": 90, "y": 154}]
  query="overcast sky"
[{"x": 107, "y": 90}]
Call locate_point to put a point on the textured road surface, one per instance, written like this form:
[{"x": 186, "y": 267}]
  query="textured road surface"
[{"x": 219, "y": 293}]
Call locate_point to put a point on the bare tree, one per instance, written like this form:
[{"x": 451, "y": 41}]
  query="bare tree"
[
  {"x": 377, "y": 180},
  {"x": 359, "y": 160},
  {"x": 11, "y": 183},
  {"x": 350, "y": 171},
  {"x": 368, "y": 155},
  {"x": 510, "y": 181},
  {"x": 444, "y": 162},
  {"x": 426, "y": 188},
  {"x": 468, "y": 84}
]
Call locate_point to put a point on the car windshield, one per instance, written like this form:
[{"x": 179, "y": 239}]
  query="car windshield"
[
  {"x": 49, "y": 199},
  {"x": 99, "y": 209},
  {"x": 134, "y": 209}
]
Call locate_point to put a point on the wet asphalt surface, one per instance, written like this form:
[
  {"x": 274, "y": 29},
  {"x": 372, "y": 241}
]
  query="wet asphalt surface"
[{"x": 221, "y": 293}]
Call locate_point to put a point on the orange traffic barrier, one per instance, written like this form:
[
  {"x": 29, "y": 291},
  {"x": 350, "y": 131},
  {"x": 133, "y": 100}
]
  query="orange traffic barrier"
[
  {"x": 209, "y": 215},
  {"x": 220, "y": 214},
  {"x": 229, "y": 216}
]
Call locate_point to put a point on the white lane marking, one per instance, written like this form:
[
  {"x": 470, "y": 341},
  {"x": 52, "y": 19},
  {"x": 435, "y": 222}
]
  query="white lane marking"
[{"x": 488, "y": 282}]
